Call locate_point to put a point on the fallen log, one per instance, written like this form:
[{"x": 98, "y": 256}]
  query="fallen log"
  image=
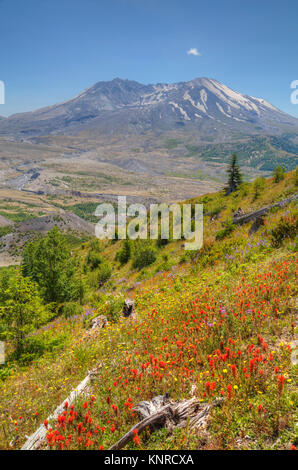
[
  {"x": 243, "y": 219},
  {"x": 162, "y": 412},
  {"x": 157, "y": 418},
  {"x": 35, "y": 440}
]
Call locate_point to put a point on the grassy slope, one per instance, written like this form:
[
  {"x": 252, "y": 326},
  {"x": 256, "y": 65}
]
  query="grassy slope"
[{"x": 233, "y": 306}]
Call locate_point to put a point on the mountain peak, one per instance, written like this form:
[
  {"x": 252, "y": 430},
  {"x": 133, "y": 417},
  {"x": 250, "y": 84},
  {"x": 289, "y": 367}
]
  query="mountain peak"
[{"x": 202, "y": 105}]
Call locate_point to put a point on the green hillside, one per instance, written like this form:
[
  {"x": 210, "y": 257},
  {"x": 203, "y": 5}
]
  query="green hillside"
[{"x": 219, "y": 322}]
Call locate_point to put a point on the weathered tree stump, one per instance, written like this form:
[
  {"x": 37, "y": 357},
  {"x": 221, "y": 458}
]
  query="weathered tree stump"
[
  {"x": 161, "y": 411},
  {"x": 238, "y": 213},
  {"x": 128, "y": 308}
]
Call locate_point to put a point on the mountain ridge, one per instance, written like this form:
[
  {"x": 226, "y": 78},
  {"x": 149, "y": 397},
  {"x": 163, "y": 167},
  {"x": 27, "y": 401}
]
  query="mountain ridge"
[{"x": 125, "y": 106}]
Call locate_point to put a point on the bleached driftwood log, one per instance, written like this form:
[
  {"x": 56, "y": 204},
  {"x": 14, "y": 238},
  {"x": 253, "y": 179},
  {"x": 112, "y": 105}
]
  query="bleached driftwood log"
[
  {"x": 162, "y": 412},
  {"x": 151, "y": 421},
  {"x": 35, "y": 440}
]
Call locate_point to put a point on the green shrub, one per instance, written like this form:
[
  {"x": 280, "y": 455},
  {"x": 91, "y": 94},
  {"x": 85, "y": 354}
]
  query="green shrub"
[
  {"x": 215, "y": 210},
  {"x": 5, "y": 230},
  {"x": 109, "y": 305},
  {"x": 71, "y": 308},
  {"x": 258, "y": 187},
  {"x": 49, "y": 262},
  {"x": 5, "y": 371},
  {"x": 124, "y": 254},
  {"x": 229, "y": 227},
  {"x": 184, "y": 258},
  {"x": 278, "y": 174},
  {"x": 243, "y": 190},
  {"x": 94, "y": 259},
  {"x": 99, "y": 276},
  {"x": 21, "y": 309},
  {"x": 286, "y": 228},
  {"x": 114, "y": 307},
  {"x": 165, "y": 265},
  {"x": 144, "y": 255},
  {"x": 92, "y": 279},
  {"x": 95, "y": 245},
  {"x": 161, "y": 242},
  {"x": 104, "y": 273},
  {"x": 37, "y": 346}
]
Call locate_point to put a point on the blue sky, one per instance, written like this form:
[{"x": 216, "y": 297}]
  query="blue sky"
[{"x": 50, "y": 50}]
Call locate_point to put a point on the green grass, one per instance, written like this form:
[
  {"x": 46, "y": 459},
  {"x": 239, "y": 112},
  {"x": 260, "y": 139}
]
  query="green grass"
[
  {"x": 18, "y": 216},
  {"x": 171, "y": 143}
]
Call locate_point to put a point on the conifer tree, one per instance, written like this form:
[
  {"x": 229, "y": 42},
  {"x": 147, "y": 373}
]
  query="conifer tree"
[
  {"x": 234, "y": 175},
  {"x": 125, "y": 252}
]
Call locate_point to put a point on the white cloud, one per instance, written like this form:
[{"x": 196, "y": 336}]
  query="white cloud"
[{"x": 193, "y": 51}]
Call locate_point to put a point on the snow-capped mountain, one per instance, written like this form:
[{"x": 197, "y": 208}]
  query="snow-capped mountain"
[{"x": 203, "y": 105}]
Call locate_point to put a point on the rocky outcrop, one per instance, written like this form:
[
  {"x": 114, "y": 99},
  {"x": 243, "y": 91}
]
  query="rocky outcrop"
[{"x": 99, "y": 322}]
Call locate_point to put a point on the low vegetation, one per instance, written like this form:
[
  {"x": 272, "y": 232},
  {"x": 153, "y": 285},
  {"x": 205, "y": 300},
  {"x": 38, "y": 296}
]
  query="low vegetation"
[{"x": 219, "y": 322}]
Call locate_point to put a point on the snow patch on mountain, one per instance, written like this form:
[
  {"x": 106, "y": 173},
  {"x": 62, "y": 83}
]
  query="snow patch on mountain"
[
  {"x": 199, "y": 106},
  {"x": 204, "y": 97},
  {"x": 222, "y": 110},
  {"x": 182, "y": 111},
  {"x": 265, "y": 103},
  {"x": 232, "y": 97}
]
